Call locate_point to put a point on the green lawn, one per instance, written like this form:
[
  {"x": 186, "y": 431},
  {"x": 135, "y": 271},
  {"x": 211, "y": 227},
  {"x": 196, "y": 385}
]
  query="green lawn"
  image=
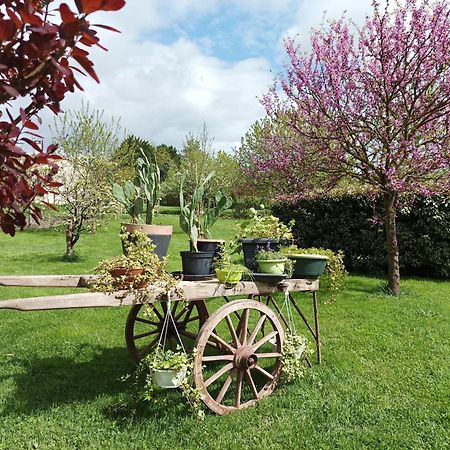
[{"x": 383, "y": 383}]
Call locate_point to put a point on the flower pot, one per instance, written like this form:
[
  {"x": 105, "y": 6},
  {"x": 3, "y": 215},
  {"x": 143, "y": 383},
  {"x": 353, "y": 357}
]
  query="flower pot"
[
  {"x": 168, "y": 379},
  {"x": 210, "y": 245},
  {"x": 308, "y": 266},
  {"x": 159, "y": 234},
  {"x": 251, "y": 245},
  {"x": 272, "y": 266},
  {"x": 126, "y": 278},
  {"x": 197, "y": 263},
  {"x": 228, "y": 276}
]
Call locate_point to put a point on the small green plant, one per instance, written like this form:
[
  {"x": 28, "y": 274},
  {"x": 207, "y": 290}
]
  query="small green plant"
[
  {"x": 138, "y": 254},
  {"x": 263, "y": 225},
  {"x": 129, "y": 196},
  {"x": 224, "y": 262},
  {"x": 265, "y": 253},
  {"x": 177, "y": 360},
  {"x": 295, "y": 348}
]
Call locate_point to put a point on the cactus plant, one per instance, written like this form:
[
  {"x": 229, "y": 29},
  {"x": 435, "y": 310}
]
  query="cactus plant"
[
  {"x": 189, "y": 221},
  {"x": 129, "y": 196},
  {"x": 212, "y": 213},
  {"x": 150, "y": 180}
]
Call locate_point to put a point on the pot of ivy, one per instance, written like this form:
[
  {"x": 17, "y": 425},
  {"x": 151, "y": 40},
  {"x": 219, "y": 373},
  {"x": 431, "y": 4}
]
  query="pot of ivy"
[
  {"x": 134, "y": 270},
  {"x": 262, "y": 230},
  {"x": 295, "y": 348},
  {"x": 142, "y": 194},
  {"x": 169, "y": 368}
]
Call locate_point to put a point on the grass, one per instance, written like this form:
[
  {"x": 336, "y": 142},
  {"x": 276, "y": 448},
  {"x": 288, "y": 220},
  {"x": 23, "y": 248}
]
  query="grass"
[{"x": 383, "y": 383}]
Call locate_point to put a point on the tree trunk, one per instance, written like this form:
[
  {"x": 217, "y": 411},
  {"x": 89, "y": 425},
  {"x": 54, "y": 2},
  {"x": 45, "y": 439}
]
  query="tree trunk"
[
  {"x": 69, "y": 239},
  {"x": 390, "y": 212}
]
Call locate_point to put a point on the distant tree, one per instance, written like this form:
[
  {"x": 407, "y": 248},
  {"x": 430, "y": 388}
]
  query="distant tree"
[
  {"x": 87, "y": 142},
  {"x": 39, "y": 42},
  {"x": 129, "y": 151},
  {"x": 373, "y": 106}
]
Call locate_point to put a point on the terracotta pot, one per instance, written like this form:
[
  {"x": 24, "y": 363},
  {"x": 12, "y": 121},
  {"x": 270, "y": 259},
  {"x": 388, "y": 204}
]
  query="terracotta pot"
[{"x": 127, "y": 278}]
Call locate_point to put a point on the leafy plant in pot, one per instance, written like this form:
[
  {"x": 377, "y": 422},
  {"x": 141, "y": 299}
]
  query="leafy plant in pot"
[
  {"x": 228, "y": 272},
  {"x": 295, "y": 348},
  {"x": 272, "y": 262},
  {"x": 313, "y": 262},
  {"x": 144, "y": 189},
  {"x": 137, "y": 268},
  {"x": 262, "y": 230}
]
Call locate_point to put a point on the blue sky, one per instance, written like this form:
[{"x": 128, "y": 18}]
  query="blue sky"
[{"x": 180, "y": 63}]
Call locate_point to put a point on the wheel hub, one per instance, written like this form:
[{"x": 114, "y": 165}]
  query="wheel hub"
[{"x": 245, "y": 358}]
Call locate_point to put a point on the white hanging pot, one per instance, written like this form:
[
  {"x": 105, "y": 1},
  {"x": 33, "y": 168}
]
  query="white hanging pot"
[
  {"x": 169, "y": 379},
  {"x": 299, "y": 350}
]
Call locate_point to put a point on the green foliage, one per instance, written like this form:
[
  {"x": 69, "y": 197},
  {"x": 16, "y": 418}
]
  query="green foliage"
[
  {"x": 263, "y": 225},
  {"x": 189, "y": 211},
  {"x": 129, "y": 196},
  {"x": 352, "y": 224},
  {"x": 87, "y": 141},
  {"x": 335, "y": 268},
  {"x": 150, "y": 182},
  {"x": 213, "y": 212},
  {"x": 295, "y": 348},
  {"x": 138, "y": 254}
]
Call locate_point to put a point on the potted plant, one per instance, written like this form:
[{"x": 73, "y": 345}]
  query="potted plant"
[
  {"x": 146, "y": 187},
  {"x": 137, "y": 268},
  {"x": 194, "y": 262},
  {"x": 313, "y": 262},
  {"x": 295, "y": 348},
  {"x": 228, "y": 272},
  {"x": 262, "y": 230},
  {"x": 272, "y": 262}
]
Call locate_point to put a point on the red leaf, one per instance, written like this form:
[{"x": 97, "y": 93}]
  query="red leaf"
[
  {"x": 31, "y": 125},
  {"x": 23, "y": 116},
  {"x": 7, "y": 30},
  {"x": 55, "y": 157},
  {"x": 30, "y": 18},
  {"x": 10, "y": 90},
  {"x": 15, "y": 18},
  {"x": 67, "y": 15},
  {"x": 54, "y": 184},
  {"x": 107, "y": 27},
  {"x": 90, "y": 6},
  {"x": 33, "y": 144},
  {"x": 50, "y": 206}
]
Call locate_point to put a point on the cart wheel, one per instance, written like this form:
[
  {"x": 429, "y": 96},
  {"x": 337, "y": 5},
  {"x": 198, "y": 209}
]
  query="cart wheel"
[
  {"x": 245, "y": 365},
  {"x": 143, "y": 326}
]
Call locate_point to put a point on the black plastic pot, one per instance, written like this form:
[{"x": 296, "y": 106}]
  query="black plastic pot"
[
  {"x": 251, "y": 245},
  {"x": 210, "y": 245},
  {"x": 197, "y": 263}
]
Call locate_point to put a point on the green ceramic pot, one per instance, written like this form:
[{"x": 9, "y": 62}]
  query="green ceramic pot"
[
  {"x": 272, "y": 266},
  {"x": 308, "y": 266},
  {"x": 228, "y": 276}
]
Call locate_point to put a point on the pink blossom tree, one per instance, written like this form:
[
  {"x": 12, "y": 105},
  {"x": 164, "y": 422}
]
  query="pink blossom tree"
[{"x": 369, "y": 103}]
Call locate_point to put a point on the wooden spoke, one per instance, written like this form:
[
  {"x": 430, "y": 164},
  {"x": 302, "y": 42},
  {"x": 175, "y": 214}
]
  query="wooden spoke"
[
  {"x": 237, "y": 395},
  {"x": 218, "y": 374},
  {"x": 264, "y": 372},
  {"x": 222, "y": 342},
  {"x": 139, "y": 329},
  {"x": 218, "y": 358},
  {"x": 251, "y": 383},
  {"x": 150, "y": 322},
  {"x": 268, "y": 355},
  {"x": 265, "y": 339},
  {"x": 258, "y": 327},
  {"x": 148, "y": 348},
  {"x": 244, "y": 327},
  {"x": 232, "y": 331},
  {"x": 238, "y": 357},
  {"x": 224, "y": 389},
  {"x": 148, "y": 333}
]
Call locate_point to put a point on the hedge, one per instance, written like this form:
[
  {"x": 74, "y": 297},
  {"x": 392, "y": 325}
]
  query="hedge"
[{"x": 350, "y": 224}]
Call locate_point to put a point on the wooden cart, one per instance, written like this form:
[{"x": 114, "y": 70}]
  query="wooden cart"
[{"x": 239, "y": 345}]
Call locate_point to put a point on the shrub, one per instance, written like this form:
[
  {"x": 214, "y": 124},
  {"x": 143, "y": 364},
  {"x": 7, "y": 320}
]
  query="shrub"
[{"x": 351, "y": 224}]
